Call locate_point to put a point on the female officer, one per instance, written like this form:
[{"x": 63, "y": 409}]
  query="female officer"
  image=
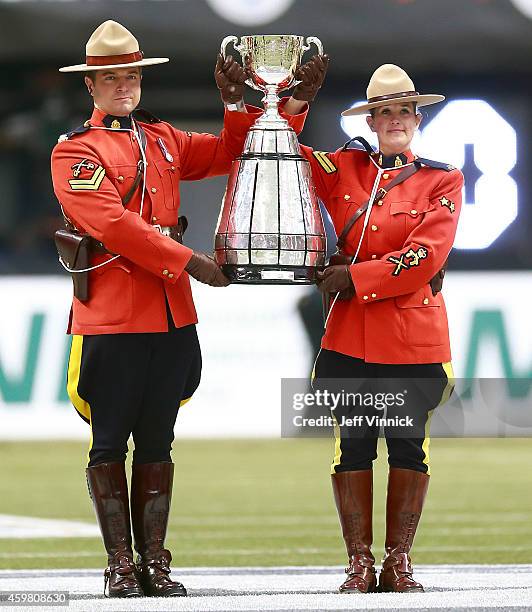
[{"x": 385, "y": 322}]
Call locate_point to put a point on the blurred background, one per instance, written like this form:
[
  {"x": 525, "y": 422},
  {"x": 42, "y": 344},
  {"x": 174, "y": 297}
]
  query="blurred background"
[{"x": 476, "y": 52}]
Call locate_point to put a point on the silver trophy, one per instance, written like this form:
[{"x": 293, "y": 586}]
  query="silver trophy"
[{"x": 270, "y": 229}]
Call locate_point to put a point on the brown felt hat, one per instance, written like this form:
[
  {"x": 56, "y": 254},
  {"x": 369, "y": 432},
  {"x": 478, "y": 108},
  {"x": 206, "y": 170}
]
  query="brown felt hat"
[
  {"x": 111, "y": 45},
  {"x": 390, "y": 84}
]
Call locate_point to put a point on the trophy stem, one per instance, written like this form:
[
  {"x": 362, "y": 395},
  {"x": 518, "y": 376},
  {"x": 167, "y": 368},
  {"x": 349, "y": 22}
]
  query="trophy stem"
[{"x": 271, "y": 119}]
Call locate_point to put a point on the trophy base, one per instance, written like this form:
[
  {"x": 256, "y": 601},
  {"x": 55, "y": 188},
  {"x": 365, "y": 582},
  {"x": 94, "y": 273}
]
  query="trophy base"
[{"x": 270, "y": 275}]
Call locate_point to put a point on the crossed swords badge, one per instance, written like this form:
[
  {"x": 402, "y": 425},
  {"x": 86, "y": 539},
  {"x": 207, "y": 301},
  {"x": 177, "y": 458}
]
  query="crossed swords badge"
[
  {"x": 84, "y": 163},
  {"x": 402, "y": 262}
]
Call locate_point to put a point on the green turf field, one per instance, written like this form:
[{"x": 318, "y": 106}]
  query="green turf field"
[{"x": 269, "y": 502}]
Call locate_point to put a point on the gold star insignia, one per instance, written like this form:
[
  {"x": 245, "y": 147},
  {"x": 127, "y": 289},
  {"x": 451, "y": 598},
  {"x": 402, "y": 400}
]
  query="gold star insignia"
[
  {"x": 115, "y": 124},
  {"x": 447, "y": 203}
]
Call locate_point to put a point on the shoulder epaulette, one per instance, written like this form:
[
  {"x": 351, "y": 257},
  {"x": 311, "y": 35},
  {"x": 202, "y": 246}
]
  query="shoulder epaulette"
[
  {"x": 435, "y": 164},
  {"x": 324, "y": 162},
  {"x": 79, "y": 130},
  {"x": 365, "y": 144},
  {"x": 144, "y": 116}
]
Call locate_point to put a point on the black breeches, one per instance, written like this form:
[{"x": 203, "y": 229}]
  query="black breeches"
[
  {"x": 133, "y": 384},
  {"x": 420, "y": 388}
]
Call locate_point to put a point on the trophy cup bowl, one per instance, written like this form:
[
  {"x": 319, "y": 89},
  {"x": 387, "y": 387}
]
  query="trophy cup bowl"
[
  {"x": 272, "y": 61},
  {"x": 270, "y": 229}
]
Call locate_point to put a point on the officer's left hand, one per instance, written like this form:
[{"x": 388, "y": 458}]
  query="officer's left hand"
[
  {"x": 311, "y": 76},
  {"x": 334, "y": 279},
  {"x": 230, "y": 77}
]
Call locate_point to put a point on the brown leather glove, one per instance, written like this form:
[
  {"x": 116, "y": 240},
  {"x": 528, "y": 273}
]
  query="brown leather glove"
[
  {"x": 205, "y": 270},
  {"x": 230, "y": 77},
  {"x": 334, "y": 279},
  {"x": 436, "y": 282},
  {"x": 311, "y": 76}
]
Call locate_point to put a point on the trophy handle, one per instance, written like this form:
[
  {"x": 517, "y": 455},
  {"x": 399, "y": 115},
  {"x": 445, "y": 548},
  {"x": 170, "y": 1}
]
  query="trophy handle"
[
  {"x": 312, "y": 39},
  {"x": 226, "y": 41}
]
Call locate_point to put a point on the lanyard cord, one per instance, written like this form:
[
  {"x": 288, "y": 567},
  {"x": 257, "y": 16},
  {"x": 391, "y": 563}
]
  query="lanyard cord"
[{"x": 366, "y": 221}]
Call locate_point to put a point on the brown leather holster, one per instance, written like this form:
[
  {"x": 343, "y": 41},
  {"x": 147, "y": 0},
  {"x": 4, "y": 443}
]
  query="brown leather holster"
[{"x": 75, "y": 250}]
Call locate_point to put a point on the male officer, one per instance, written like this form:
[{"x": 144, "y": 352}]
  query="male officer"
[{"x": 135, "y": 356}]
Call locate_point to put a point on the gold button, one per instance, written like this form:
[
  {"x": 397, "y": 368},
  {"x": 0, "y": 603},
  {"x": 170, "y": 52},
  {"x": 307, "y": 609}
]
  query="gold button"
[
  {"x": 374, "y": 257},
  {"x": 365, "y": 297},
  {"x": 165, "y": 272},
  {"x": 170, "y": 275},
  {"x": 347, "y": 196},
  {"x": 173, "y": 168},
  {"x": 413, "y": 211},
  {"x": 154, "y": 219},
  {"x": 379, "y": 203},
  {"x": 121, "y": 179},
  {"x": 385, "y": 175},
  {"x": 373, "y": 295},
  {"x": 154, "y": 189},
  {"x": 426, "y": 301},
  {"x": 374, "y": 228}
]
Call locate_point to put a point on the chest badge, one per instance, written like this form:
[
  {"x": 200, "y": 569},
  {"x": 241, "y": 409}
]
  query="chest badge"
[{"x": 167, "y": 155}]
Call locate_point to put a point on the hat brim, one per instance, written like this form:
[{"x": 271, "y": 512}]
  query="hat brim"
[
  {"x": 149, "y": 61},
  {"x": 422, "y": 100}
]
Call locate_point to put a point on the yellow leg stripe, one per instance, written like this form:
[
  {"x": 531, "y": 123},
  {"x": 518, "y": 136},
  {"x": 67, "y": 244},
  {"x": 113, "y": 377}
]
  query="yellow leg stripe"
[
  {"x": 90, "y": 445},
  {"x": 337, "y": 445},
  {"x": 185, "y": 401},
  {"x": 426, "y": 442},
  {"x": 74, "y": 365},
  {"x": 448, "y": 369}
]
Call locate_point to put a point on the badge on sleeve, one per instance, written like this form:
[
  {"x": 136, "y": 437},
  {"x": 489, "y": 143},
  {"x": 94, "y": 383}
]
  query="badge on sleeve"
[
  {"x": 88, "y": 176},
  {"x": 408, "y": 260},
  {"x": 448, "y": 203},
  {"x": 324, "y": 162}
]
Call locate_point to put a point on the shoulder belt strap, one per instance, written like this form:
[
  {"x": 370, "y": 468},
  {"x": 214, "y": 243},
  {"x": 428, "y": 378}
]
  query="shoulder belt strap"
[
  {"x": 434, "y": 164},
  {"x": 402, "y": 176},
  {"x": 362, "y": 141},
  {"x": 140, "y": 167}
]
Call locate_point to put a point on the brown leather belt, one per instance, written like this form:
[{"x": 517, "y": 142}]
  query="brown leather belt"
[{"x": 175, "y": 232}]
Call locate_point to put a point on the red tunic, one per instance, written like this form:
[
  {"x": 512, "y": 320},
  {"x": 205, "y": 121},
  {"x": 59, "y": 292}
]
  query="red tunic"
[
  {"x": 393, "y": 318},
  {"x": 93, "y": 170}
]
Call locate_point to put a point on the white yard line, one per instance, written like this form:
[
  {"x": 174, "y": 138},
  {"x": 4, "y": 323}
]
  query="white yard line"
[
  {"x": 29, "y": 527},
  {"x": 448, "y": 587}
]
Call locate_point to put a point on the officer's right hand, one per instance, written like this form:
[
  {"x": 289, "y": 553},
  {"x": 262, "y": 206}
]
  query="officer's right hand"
[
  {"x": 205, "y": 270},
  {"x": 311, "y": 76},
  {"x": 230, "y": 77}
]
